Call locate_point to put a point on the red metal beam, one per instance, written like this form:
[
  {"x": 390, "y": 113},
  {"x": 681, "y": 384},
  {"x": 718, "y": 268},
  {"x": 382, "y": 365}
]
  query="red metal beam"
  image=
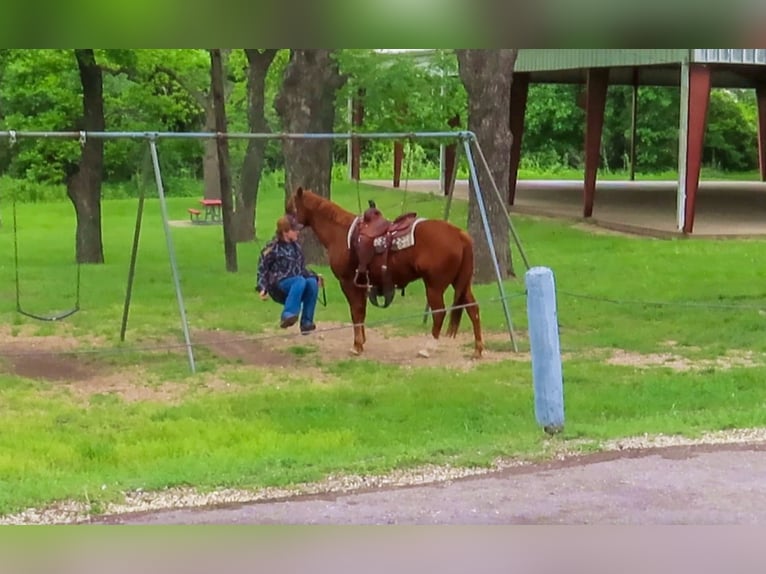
[
  {"x": 398, "y": 156},
  {"x": 596, "y": 86},
  {"x": 760, "y": 95},
  {"x": 519, "y": 91},
  {"x": 450, "y": 155},
  {"x": 357, "y": 118},
  {"x": 699, "y": 96}
]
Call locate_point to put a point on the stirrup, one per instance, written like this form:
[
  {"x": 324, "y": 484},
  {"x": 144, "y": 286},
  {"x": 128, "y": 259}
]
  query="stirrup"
[
  {"x": 374, "y": 292},
  {"x": 365, "y": 285}
]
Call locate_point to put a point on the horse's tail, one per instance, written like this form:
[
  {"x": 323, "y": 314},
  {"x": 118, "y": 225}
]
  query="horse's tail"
[{"x": 462, "y": 284}]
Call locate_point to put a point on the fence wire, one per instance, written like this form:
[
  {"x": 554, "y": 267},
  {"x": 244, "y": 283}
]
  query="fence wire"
[{"x": 397, "y": 319}]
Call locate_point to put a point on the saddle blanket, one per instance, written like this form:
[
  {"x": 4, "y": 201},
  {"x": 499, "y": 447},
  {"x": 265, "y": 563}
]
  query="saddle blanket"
[{"x": 397, "y": 244}]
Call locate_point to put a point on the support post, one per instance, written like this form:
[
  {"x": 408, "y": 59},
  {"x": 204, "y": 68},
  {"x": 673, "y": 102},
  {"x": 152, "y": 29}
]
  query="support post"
[
  {"x": 760, "y": 97},
  {"x": 132, "y": 267},
  {"x": 507, "y": 214},
  {"x": 398, "y": 156},
  {"x": 683, "y": 130},
  {"x": 519, "y": 92},
  {"x": 357, "y": 118},
  {"x": 699, "y": 96},
  {"x": 448, "y": 164},
  {"x": 490, "y": 241},
  {"x": 171, "y": 252},
  {"x": 633, "y": 125},
  {"x": 595, "y": 102},
  {"x": 545, "y": 349}
]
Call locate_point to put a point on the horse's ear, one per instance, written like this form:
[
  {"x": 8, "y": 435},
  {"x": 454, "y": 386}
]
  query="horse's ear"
[{"x": 299, "y": 191}]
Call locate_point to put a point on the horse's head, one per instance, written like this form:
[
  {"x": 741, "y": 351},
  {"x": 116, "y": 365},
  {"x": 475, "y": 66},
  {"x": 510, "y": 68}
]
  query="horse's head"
[
  {"x": 323, "y": 216},
  {"x": 296, "y": 206}
]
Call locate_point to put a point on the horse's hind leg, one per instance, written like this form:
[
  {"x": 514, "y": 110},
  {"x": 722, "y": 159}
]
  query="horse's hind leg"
[
  {"x": 473, "y": 313},
  {"x": 435, "y": 297}
]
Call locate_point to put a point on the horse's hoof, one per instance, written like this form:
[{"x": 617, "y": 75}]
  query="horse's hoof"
[
  {"x": 424, "y": 353},
  {"x": 354, "y": 351}
]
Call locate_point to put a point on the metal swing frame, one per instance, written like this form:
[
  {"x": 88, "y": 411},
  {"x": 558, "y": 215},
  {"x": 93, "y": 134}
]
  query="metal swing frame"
[
  {"x": 17, "y": 280},
  {"x": 466, "y": 137}
]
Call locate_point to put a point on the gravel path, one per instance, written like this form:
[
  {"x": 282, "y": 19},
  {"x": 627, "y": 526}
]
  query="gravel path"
[
  {"x": 676, "y": 485},
  {"x": 640, "y": 480}
]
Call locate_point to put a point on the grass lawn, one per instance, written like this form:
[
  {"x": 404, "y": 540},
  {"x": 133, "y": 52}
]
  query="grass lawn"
[{"x": 658, "y": 336}]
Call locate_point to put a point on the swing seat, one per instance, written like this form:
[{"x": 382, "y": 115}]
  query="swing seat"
[
  {"x": 57, "y": 317},
  {"x": 16, "y": 263}
]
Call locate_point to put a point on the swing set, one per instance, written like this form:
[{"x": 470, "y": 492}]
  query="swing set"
[{"x": 467, "y": 138}]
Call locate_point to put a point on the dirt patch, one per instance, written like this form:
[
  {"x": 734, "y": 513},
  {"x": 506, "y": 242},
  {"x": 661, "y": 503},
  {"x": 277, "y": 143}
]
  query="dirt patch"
[
  {"x": 50, "y": 367},
  {"x": 731, "y": 359},
  {"x": 59, "y": 358},
  {"x": 248, "y": 349},
  {"x": 43, "y": 357},
  {"x": 334, "y": 341}
]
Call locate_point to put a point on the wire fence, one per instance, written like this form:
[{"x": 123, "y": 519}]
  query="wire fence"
[
  {"x": 246, "y": 339},
  {"x": 390, "y": 321}
]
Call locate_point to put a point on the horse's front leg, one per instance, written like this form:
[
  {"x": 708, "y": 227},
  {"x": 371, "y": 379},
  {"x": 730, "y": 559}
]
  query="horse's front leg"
[{"x": 357, "y": 303}]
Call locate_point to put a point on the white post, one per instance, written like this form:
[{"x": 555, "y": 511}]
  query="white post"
[
  {"x": 545, "y": 349},
  {"x": 683, "y": 137}
]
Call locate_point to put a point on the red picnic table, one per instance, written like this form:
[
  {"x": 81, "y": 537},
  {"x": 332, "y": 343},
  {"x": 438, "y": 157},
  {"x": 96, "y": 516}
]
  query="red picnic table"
[{"x": 212, "y": 209}]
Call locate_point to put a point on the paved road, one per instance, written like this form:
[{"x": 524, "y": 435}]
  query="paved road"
[{"x": 720, "y": 484}]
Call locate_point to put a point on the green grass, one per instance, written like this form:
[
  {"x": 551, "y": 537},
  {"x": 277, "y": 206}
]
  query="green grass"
[{"x": 281, "y": 427}]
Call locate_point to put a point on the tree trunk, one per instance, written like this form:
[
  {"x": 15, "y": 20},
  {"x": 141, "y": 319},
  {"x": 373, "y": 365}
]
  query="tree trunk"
[
  {"x": 222, "y": 149},
  {"x": 83, "y": 180},
  {"x": 487, "y": 75},
  {"x": 259, "y": 62},
  {"x": 210, "y": 177},
  {"x": 306, "y": 104}
]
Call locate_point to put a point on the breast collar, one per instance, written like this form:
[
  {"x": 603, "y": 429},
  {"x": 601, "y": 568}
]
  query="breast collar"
[{"x": 351, "y": 229}]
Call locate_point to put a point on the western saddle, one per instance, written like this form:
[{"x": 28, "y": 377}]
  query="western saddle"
[{"x": 374, "y": 235}]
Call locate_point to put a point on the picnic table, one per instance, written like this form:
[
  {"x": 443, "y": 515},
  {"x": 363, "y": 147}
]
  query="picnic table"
[{"x": 212, "y": 208}]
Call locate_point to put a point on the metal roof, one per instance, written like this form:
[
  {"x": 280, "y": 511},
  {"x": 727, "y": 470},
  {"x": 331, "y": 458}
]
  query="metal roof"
[{"x": 733, "y": 68}]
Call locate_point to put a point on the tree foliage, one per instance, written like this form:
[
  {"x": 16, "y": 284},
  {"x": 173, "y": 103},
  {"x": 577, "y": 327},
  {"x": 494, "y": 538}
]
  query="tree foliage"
[{"x": 164, "y": 90}]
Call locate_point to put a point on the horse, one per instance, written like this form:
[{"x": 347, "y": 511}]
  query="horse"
[{"x": 441, "y": 255}]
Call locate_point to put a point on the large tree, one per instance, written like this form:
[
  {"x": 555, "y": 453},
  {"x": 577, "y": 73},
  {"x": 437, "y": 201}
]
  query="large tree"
[
  {"x": 222, "y": 155},
  {"x": 83, "y": 179},
  {"x": 305, "y": 104},
  {"x": 258, "y": 63},
  {"x": 487, "y": 75}
]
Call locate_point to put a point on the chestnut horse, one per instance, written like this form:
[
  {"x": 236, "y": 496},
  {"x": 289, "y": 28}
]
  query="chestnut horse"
[{"x": 442, "y": 255}]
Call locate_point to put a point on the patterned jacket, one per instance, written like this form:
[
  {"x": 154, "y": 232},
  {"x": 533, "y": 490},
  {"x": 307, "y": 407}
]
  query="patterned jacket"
[{"x": 279, "y": 260}]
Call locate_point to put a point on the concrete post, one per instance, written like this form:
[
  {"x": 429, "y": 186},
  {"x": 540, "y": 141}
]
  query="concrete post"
[{"x": 545, "y": 349}]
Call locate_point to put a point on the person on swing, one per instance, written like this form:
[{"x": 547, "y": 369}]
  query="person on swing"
[{"x": 283, "y": 276}]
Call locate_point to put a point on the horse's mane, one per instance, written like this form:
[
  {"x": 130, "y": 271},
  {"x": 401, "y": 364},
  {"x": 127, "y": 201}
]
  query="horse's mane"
[{"x": 326, "y": 208}]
